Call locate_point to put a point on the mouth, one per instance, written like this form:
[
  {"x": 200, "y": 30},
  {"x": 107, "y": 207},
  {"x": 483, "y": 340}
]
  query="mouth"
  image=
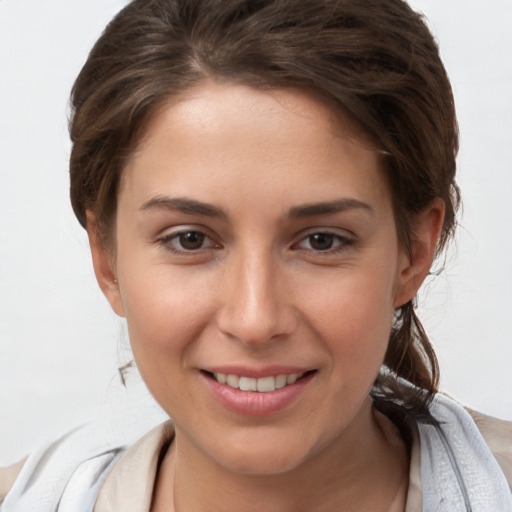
[{"x": 260, "y": 385}]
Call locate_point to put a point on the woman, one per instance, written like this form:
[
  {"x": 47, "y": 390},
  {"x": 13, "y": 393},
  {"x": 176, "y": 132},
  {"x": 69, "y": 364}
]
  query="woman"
[{"x": 264, "y": 186}]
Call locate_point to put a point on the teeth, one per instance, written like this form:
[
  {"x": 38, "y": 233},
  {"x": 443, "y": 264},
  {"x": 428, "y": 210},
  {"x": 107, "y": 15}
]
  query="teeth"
[
  {"x": 263, "y": 385},
  {"x": 247, "y": 384},
  {"x": 221, "y": 377},
  {"x": 232, "y": 381},
  {"x": 290, "y": 379},
  {"x": 280, "y": 381},
  {"x": 266, "y": 384}
]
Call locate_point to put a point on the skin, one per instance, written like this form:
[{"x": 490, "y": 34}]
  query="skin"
[{"x": 257, "y": 291}]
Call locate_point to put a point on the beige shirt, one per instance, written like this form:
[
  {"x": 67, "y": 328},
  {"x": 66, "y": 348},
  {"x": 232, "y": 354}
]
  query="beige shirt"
[{"x": 129, "y": 486}]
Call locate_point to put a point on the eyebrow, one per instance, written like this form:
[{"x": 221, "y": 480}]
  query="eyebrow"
[
  {"x": 193, "y": 207},
  {"x": 336, "y": 206},
  {"x": 183, "y": 205}
]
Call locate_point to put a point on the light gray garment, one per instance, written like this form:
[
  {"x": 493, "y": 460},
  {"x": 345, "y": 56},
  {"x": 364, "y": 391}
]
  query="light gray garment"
[
  {"x": 458, "y": 470},
  {"x": 65, "y": 476}
]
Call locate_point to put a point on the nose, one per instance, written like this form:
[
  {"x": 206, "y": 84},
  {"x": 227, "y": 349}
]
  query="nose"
[{"x": 256, "y": 303}]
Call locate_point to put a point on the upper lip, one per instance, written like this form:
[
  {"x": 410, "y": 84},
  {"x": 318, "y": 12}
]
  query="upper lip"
[{"x": 257, "y": 373}]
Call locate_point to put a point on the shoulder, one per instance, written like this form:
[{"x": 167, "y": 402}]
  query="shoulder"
[
  {"x": 78, "y": 460},
  {"x": 8, "y": 476},
  {"x": 69, "y": 473},
  {"x": 459, "y": 459},
  {"x": 498, "y": 437}
]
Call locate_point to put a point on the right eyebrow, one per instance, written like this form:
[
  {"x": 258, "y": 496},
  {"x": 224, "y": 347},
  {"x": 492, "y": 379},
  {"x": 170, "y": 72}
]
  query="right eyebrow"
[
  {"x": 184, "y": 205},
  {"x": 330, "y": 207}
]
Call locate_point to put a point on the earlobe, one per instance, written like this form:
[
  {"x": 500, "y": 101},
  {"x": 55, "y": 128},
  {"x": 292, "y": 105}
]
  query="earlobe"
[
  {"x": 414, "y": 269},
  {"x": 104, "y": 265}
]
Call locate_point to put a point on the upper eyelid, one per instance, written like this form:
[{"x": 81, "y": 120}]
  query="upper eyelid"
[
  {"x": 340, "y": 232},
  {"x": 171, "y": 232},
  {"x": 165, "y": 237}
]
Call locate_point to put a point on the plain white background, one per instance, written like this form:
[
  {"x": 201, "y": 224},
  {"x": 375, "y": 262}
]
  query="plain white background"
[{"x": 60, "y": 345}]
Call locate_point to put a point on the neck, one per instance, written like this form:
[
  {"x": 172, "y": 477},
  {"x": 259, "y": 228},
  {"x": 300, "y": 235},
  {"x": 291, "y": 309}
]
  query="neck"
[{"x": 363, "y": 469}]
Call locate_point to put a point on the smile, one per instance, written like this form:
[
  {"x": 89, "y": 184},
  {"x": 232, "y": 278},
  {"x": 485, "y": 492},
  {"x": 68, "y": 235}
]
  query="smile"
[
  {"x": 262, "y": 385},
  {"x": 257, "y": 392}
]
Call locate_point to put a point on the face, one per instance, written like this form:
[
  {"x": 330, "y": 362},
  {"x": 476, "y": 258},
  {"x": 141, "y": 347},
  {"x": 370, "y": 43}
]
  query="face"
[{"x": 258, "y": 268}]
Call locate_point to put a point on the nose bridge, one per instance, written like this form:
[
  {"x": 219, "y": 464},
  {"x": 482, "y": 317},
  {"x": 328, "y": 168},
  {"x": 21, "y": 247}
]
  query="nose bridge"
[{"x": 255, "y": 308}]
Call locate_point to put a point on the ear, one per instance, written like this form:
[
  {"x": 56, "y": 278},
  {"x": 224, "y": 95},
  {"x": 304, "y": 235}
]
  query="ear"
[
  {"x": 413, "y": 270},
  {"x": 104, "y": 265}
]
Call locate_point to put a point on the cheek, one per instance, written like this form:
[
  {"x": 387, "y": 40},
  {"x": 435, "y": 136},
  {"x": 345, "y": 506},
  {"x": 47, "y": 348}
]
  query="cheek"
[
  {"x": 165, "y": 316},
  {"x": 165, "y": 311},
  {"x": 353, "y": 315}
]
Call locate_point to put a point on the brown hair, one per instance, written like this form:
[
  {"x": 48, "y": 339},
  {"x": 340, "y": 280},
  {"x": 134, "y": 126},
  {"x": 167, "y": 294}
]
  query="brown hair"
[{"x": 374, "y": 59}]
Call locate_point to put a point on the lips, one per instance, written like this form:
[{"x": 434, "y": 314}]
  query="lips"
[{"x": 257, "y": 392}]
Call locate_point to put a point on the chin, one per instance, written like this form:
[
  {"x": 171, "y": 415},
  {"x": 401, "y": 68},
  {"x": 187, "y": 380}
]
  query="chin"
[{"x": 259, "y": 458}]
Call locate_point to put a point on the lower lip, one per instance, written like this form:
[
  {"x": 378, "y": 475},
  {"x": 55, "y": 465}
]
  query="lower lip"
[{"x": 253, "y": 403}]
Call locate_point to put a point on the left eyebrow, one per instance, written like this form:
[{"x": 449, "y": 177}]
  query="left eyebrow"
[
  {"x": 336, "y": 206},
  {"x": 183, "y": 205}
]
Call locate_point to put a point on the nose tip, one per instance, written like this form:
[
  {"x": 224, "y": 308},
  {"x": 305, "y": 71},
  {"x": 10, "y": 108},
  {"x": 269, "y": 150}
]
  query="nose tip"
[{"x": 256, "y": 308}]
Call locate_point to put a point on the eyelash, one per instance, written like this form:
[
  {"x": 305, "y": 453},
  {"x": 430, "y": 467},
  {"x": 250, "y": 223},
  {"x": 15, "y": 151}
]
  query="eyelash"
[
  {"x": 343, "y": 242},
  {"x": 167, "y": 242}
]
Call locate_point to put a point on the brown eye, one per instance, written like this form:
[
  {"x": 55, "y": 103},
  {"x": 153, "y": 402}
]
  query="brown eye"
[
  {"x": 191, "y": 240},
  {"x": 321, "y": 241},
  {"x": 187, "y": 242},
  {"x": 324, "y": 242}
]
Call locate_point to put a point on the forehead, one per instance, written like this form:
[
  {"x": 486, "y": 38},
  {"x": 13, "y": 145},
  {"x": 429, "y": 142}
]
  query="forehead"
[
  {"x": 216, "y": 105},
  {"x": 237, "y": 136}
]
